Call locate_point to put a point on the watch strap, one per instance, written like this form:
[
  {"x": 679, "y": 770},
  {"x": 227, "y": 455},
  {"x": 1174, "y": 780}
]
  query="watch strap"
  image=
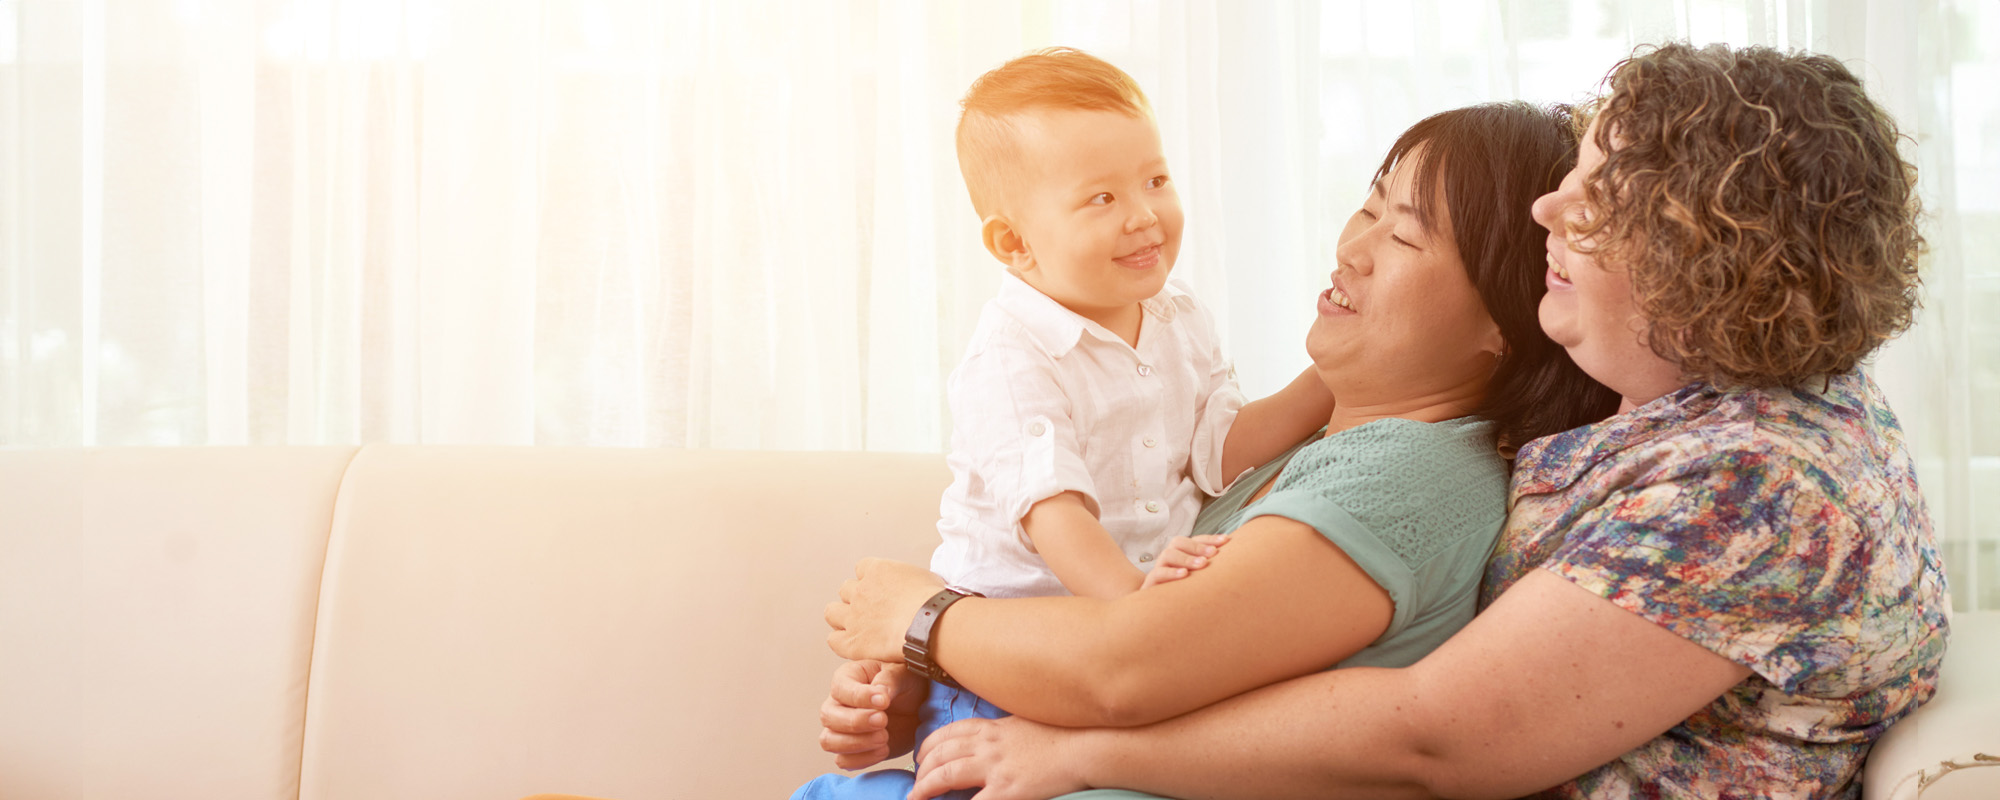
[{"x": 919, "y": 642}]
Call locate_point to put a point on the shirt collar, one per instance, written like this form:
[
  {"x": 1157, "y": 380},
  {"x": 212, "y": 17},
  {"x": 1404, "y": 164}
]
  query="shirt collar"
[
  {"x": 1056, "y": 329},
  {"x": 1553, "y": 463}
]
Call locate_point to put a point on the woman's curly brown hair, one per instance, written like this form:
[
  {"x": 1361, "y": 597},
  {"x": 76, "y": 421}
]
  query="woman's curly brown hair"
[{"x": 1758, "y": 199}]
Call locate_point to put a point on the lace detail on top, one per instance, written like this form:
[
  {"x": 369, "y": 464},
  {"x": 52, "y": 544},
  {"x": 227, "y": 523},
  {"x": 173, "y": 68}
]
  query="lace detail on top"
[{"x": 1411, "y": 483}]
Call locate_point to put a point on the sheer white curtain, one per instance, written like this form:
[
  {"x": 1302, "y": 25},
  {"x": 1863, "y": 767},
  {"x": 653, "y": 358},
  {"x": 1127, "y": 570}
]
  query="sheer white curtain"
[{"x": 739, "y": 224}]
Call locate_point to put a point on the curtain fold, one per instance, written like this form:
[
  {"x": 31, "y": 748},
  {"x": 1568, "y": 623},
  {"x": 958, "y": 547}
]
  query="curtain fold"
[{"x": 741, "y": 224}]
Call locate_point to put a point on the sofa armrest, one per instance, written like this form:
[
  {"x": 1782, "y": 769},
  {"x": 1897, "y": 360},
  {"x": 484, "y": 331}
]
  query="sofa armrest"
[{"x": 1950, "y": 748}]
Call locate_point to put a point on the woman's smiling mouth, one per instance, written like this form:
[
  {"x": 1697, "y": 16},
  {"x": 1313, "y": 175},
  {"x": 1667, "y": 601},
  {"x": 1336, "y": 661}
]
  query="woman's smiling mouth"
[
  {"x": 1335, "y": 301},
  {"x": 1340, "y": 298}
]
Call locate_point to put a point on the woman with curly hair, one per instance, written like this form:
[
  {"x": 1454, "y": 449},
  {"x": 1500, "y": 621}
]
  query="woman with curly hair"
[{"x": 1728, "y": 589}]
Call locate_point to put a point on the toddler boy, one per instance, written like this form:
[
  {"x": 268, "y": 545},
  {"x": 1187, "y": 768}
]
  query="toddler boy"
[{"x": 1093, "y": 413}]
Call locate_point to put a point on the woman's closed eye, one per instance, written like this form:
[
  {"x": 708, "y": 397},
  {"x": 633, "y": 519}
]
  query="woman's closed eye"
[
  {"x": 1370, "y": 216},
  {"x": 1579, "y": 213},
  {"x": 1576, "y": 219}
]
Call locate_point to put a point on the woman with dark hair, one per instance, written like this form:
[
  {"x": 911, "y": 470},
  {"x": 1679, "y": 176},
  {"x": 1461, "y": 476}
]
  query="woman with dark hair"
[
  {"x": 1480, "y": 161},
  {"x": 1729, "y": 589},
  {"x": 1362, "y": 546}
]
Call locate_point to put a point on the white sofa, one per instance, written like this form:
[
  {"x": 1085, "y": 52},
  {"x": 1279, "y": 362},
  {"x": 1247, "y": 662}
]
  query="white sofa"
[{"x": 391, "y": 622}]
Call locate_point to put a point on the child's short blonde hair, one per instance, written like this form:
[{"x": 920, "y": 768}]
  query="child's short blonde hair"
[{"x": 1050, "y": 78}]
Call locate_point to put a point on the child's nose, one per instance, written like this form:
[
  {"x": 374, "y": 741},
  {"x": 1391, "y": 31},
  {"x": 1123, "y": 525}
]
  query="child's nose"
[{"x": 1141, "y": 219}]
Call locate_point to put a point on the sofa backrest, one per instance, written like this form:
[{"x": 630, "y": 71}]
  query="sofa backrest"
[
  {"x": 621, "y": 623},
  {"x": 460, "y": 623},
  {"x": 156, "y": 619}
]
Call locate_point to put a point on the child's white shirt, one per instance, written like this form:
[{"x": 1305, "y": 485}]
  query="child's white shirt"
[{"x": 1047, "y": 401}]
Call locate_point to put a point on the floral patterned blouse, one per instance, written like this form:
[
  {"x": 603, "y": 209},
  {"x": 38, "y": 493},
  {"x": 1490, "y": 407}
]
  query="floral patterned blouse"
[{"x": 1779, "y": 528}]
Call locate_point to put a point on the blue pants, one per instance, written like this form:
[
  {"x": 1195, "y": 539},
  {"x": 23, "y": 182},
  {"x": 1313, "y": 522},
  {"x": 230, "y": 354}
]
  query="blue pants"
[{"x": 945, "y": 706}]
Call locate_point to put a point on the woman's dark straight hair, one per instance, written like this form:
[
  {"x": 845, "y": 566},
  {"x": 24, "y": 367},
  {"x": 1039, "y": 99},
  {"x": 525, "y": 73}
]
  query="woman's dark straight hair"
[{"x": 1484, "y": 166}]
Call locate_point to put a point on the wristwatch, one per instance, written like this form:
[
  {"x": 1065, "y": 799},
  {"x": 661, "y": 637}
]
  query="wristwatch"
[{"x": 919, "y": 642}]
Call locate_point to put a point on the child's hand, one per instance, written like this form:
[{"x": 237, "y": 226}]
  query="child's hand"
[
  {"x": 1183, "y": 556},
  {"x": 871, "y": 713}
]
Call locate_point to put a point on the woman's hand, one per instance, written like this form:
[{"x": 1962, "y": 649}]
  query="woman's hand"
[
  {"x": 870, "y": 714},
  {"x": 1015, "y": 759},
  {"x": 875, "y": 609}
]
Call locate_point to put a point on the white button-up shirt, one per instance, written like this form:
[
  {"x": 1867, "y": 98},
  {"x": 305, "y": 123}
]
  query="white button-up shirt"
[{"x": 1048, "y": 402}]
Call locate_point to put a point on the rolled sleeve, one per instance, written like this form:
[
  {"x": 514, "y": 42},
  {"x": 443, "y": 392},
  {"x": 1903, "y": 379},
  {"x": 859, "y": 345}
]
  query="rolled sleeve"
[
  {"x": 1013, "y": 420},
  {"x": 1211, "y": 432},
  {"x": 1220, "y": 402}
]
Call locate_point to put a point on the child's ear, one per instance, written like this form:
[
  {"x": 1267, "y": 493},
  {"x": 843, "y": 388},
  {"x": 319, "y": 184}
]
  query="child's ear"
[{"x": 1005, "y": 243}]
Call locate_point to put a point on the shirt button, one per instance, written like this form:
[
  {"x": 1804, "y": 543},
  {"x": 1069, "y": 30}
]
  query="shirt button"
[
  {"x": 1150, "y": 441},
  {"x": 1145, "y": 370},
  {"x": 1153, "y": 506},
  {"x": 1145, "y": 558},
  {"x": 1037, "y": 429}
]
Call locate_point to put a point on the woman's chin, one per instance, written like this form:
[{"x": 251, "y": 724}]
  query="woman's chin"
[
  {"x": 1320, "y": 342},
  {"x": 1559, "y": 324},
  {"x": 1327, "y": 351}
]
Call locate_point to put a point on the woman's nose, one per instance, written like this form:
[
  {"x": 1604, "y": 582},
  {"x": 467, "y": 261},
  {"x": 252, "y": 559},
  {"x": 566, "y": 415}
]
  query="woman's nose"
[
  {"x": 1352, "y": 256},
  {"x": 1547, "y": 209}
]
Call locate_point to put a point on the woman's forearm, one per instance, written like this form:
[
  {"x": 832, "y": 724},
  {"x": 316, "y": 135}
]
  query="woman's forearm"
[
  {"x": 1047, "y": 658},
  {"x": 1278, "y": 602},
  {"x": 1345, "y": 728},
  {"x": 1549, "y": 683}
]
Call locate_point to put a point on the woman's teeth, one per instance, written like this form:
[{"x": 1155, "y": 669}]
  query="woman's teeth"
[
  {"x": 1340, "y": 298},
  {"x": 1557, "y": 268}
]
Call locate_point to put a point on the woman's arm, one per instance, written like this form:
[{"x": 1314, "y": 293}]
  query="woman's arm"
[
  {"x": 1548, "y": 683},
  {"x": 1280, "y": 601}
]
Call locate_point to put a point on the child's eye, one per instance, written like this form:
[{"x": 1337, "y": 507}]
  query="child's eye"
[
  {"x": 1157, "y": 182},
  {"x": 1100, "y": 199}
]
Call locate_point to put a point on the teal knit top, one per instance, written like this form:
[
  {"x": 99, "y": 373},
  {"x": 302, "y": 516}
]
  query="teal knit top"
[{"x": 1417, "y": 505}]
